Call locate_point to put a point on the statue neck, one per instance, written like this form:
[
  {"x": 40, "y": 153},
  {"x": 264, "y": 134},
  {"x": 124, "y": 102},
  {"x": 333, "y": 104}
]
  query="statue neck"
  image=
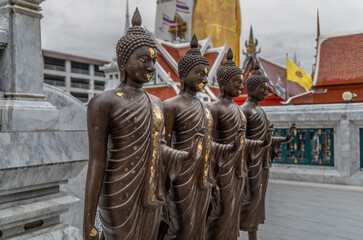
[
  {"x": 226, "y": 98},
  {"x": 133, "y": 86},
  {"x": 188, "y": 92},
  {"x": 253, "y": 101}
]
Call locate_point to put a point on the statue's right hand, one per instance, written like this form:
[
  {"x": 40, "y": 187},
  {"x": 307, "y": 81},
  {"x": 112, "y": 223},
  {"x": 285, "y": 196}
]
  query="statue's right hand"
[
  {"x": 91, "y": 234},
  {"x": 238, "y": 140},
  {"x": 196, "y": 148}
]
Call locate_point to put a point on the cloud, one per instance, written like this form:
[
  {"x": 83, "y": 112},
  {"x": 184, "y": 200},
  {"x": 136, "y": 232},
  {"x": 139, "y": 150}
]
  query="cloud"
[
  {"x": 89, "y": 28},
  {"x": 92, "y": 28}
]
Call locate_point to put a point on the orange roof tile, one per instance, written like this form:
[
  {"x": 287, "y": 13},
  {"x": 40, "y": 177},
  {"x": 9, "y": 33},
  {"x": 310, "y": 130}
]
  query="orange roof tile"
[
  {"x": 167, "y": 68},
  {"x": 340, "y": 60},
  {"x": 163, "y": 92},
  {"x": 211, "y": 57},
  {"x": 275, "y": 71},
  {"x": 176, "y": 53},
  {"x": 270, "y": 100},
  {"x": 215, "y": 90}
]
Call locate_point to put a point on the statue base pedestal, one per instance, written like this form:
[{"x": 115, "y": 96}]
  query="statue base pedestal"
[{"x": 53, "y": 233}]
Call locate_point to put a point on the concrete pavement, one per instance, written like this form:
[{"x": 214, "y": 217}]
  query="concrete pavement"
[{"x": 311, "y": 211}]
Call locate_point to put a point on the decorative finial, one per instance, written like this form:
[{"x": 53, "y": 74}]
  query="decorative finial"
[
  {"x": 136, "y": 19},
  {"x": 194, "y": 42},
  {"x": 229, "y": 54},
  {"x": 251, "y": 35},
  {"x": 318, "y": 25}
]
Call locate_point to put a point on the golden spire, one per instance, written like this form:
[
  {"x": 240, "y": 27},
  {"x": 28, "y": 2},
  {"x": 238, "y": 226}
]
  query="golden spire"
[{"x": 221, "y": 20}]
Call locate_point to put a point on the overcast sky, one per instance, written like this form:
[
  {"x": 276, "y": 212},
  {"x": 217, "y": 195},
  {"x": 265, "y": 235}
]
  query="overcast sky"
[{"x": 91, "y": 28}]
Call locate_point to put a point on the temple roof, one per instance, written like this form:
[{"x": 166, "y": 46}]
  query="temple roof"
[
  {"x": 162, "y": 92},
  {"x": 275, "y": 71},
  {"x": 339, "y": 60},
  {"x": 169, "y": 55}
]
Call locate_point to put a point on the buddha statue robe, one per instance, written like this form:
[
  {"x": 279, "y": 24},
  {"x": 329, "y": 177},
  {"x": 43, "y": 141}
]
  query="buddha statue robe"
[
  {"x": 259, "y": 160},
  {"x": 230, "y": 171},
  {"x": 189, "y": 184},
  {"x": 132, "y": 193}
]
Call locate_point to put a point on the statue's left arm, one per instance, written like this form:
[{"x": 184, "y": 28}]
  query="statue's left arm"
[
  {"x": 97, "y": 125},
  {"x": 276, "y": 141}
]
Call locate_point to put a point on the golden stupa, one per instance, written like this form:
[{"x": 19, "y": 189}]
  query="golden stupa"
[{"x": 221, "y": 20}]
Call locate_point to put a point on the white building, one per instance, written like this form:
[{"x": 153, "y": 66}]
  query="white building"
[
  {"x": 79, "y": 76},
  {"x": 168, "y": 7}
]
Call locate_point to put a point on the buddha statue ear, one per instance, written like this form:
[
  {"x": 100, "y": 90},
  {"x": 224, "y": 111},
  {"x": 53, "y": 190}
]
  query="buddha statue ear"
[
  {"x": 121, "y": 67},
  {"x": 182, "y": 85},
  {"x": 222, "y": 88}
]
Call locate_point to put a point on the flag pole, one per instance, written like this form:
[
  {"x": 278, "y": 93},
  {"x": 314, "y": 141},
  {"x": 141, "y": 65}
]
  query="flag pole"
[
  {"x": 176, "y": 22},
  {"x": 287, "y": 81}
]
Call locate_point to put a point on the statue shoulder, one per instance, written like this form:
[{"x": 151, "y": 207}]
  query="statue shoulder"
[
  {"x": 172, "y": 103},
  {"x": 246, "y": 110},
  {"x": 155, "y": 100},
  {"x": 217, "y": 107},
  {"x": 108, "y": 101},
  {"x": 103, "y": 100}
]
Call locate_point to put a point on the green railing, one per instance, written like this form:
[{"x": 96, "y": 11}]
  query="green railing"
[{"x": 313, "y": 146}]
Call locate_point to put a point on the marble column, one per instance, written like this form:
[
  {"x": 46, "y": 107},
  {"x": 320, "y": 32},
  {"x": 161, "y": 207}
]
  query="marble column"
[
  {"x": 43, "y": 137},
  {"x": 21, "y": 65}
]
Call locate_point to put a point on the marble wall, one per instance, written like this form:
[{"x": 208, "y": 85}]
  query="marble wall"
[
  {"x": 39, "y": 161},
  {"x": 345, "y": 119}
]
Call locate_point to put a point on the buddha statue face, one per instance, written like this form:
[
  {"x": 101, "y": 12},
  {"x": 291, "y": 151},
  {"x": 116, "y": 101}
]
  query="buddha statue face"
[
  {"x": 196, "y": 79},
  {"x": 260, "y": 92},
  {"x": 139, "y": 68},
  {"x": 234, "y": 86}
]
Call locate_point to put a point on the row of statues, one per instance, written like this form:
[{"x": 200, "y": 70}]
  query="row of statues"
[{"x": 178, "y": 169}]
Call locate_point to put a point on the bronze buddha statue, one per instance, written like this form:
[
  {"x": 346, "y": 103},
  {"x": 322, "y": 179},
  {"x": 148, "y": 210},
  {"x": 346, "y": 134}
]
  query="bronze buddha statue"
[
  {"x": 230, "y": 169},
  {"x": 259, "y": 160},
  {"x": 125, "y": 129},
  {"x": 189, "y": 187}
]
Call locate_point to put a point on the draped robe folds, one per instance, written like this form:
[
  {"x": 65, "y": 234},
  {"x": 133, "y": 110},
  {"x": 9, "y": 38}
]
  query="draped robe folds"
[
  {"x": 189, "y": 185},
  {"x": 131, "y": 197},
  {"x": 259, "y": 160},
  {"x": 231, "y": 172}
]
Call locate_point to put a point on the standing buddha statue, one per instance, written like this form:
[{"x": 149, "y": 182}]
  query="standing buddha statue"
[
  {"x": 189, "y": 185},
  {"x": 230, "y": 168},
  {"x": 126, "y": 154},
  {"x": 259, "y": 160}
]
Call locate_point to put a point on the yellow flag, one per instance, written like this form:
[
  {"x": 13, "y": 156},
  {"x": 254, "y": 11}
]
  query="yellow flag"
[{"x": 296, "y": 74}]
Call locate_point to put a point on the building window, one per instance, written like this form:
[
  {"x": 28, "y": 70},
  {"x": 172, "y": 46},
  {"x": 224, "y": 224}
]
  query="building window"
[
  {"x": 309, "y": 146},
  {"x": 98, "y": 72},
  {"x": 111, "y": 76},
  {"x": 79, "y": 83},
  {"x": 81, "y": 68},
  {"x": 99, "y": 86},
  {"x": 54, "y": 64},
  {"x": 361, "y": 146},
  {"x": 54, "y": 80},
  {"x": 83, "y": 97}
]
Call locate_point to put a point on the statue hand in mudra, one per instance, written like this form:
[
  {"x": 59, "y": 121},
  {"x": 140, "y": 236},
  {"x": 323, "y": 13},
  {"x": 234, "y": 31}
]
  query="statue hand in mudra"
[
  {"x": 268, "y": 137},
  {"x": 290, "y": 133},
  {"x": 238, "y": 140},
  {"x": 196, "y": 148}
]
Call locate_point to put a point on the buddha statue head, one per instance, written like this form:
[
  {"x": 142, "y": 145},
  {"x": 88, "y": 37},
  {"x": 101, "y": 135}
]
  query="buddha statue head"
[
  {"x": 230, "y": 78},
  {"x": 256, "y": 84},
  {"x": 136, "y": 54},
  {"x": 193, "y": 69}
]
